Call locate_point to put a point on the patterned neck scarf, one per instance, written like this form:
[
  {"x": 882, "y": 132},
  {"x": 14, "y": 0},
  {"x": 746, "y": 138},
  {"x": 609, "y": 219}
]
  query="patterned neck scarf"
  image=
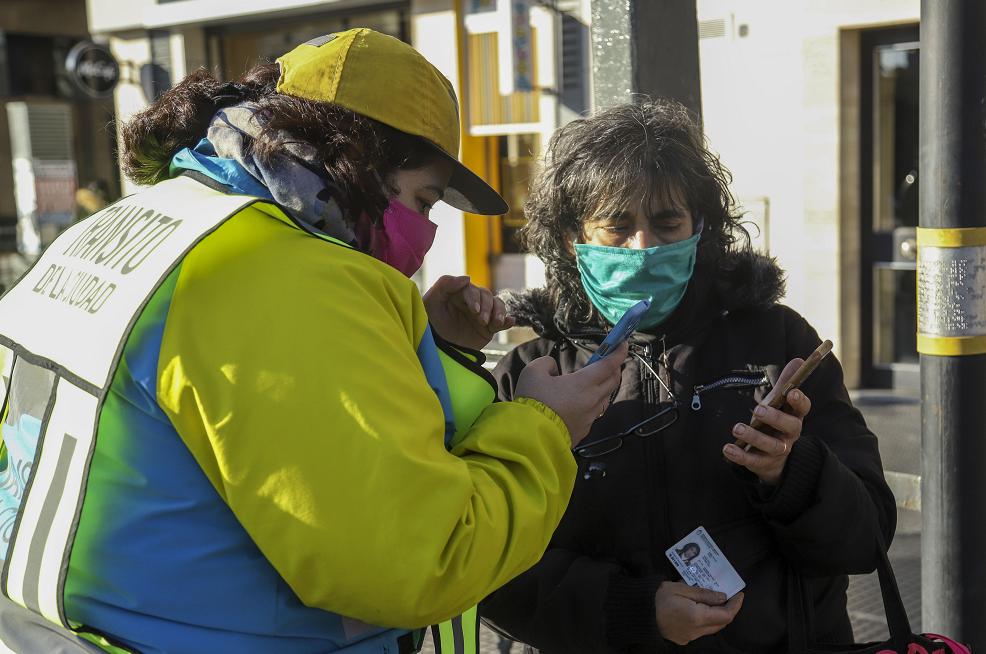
[{"x": 289, "y": 179}]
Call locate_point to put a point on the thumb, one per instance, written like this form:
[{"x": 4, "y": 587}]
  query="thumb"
[
  {"x": 789, "y": 370},
  {"x": 454, "y": 284},
  {"x": 544, "y": 365},
  {"x": 703, "y": 595},
  {"x": 735, "y": 603},
  {"x": 791, "y": 367},
  {"x": 448, "y": 284}
]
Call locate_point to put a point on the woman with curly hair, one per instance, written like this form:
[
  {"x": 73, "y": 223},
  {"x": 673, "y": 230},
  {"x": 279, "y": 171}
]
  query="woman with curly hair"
[
  {"x": 258, "y": 437},
  {"x": 630, "y": 204}
]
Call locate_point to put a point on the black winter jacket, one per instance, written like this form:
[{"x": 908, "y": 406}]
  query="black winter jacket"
[{"x": 593, "y": 591}]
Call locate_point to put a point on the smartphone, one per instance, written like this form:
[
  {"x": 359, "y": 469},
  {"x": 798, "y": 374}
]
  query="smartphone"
[
  {"x": 798, "y": 378},
  {"x": 622, "y": 331}
]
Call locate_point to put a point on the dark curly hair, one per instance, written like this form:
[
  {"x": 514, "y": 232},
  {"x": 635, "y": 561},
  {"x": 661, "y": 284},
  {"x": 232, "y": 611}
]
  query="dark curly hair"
[
  {"x": 358, "y": 152},
  {"x": 594, "y": 166}
]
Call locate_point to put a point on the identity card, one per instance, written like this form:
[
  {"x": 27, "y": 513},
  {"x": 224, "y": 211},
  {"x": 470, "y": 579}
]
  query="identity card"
[{"x": 701, "y": 563}]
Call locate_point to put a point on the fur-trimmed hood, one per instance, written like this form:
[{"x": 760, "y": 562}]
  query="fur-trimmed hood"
[{"x": 743, "y": 279}]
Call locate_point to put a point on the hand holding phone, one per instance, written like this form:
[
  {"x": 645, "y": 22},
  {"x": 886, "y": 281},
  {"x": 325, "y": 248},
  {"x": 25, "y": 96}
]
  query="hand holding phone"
[
  {"x": 763, "y": 446},
  {"x": 622, "y": 331},
  {"x": 778, "y": 399}
]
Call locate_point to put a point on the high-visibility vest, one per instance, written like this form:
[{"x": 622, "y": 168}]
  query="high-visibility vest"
[{"x": 63, "y": 328}]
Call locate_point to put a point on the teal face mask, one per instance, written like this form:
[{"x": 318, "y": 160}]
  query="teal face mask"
[{"x": 617, "y": 278}]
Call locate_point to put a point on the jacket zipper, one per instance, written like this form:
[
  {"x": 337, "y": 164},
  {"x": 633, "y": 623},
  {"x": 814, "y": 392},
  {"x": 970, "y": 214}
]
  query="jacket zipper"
[{"x": 733, "y": 381}]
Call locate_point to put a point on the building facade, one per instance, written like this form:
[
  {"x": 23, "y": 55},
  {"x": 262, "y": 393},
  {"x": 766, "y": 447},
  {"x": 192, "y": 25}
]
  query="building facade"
[
  {"x": 54, "y": 136},
  {"x": 470, "y": 41},
  {"x": 811, "y": 104},
  {"x": 813, "y": 107}
]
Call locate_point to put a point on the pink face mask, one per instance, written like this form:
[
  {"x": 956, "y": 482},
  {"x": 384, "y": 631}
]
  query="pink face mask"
[{"x": 404, "y": 238}]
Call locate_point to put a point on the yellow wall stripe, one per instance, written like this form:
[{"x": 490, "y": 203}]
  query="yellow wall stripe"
[
  {"x": 476, "y": 156},
  {"x": 951, "y": 238},
  {"x": 947, "y": 346}
]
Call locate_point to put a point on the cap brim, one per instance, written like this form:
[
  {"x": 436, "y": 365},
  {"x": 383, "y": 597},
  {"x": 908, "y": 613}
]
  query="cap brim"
[{"x": 468, "y": 192}]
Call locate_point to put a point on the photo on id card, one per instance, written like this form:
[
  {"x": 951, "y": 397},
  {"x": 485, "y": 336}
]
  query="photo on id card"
[{"x": 701, "y": 563}]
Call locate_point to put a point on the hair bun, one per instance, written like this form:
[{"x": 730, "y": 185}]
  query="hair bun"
[{"x": 229, "y": 94}]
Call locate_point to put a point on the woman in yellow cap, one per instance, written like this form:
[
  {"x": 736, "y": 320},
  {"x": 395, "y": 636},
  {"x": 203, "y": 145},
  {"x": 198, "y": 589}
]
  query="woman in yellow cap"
[{"x": 259, "y": 437}]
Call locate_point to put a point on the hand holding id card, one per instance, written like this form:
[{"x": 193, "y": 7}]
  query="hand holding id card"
[{"x": 701, "y": 563}]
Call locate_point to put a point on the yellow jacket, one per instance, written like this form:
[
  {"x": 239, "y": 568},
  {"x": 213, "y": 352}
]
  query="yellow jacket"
[{"x": 289, "y": 367}]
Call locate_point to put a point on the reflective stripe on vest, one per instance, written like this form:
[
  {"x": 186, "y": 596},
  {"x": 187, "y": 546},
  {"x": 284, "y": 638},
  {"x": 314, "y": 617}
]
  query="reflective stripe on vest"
[
  {"x": 460, "y": 635},
  {"x": 62, "y": 331}
]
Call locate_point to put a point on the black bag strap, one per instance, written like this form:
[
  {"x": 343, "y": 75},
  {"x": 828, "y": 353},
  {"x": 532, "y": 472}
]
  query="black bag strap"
[{"x": 800, "y": 609}]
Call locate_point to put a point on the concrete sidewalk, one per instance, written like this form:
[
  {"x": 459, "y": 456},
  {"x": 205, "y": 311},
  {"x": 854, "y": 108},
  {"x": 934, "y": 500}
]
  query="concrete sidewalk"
[{"x": 895, "y": 417}]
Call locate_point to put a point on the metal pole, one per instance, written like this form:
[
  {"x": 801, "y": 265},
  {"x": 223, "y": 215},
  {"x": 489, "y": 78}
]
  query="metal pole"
[
  {"x": 952, "y": 318},
  {"x": 645, "y": 47}
]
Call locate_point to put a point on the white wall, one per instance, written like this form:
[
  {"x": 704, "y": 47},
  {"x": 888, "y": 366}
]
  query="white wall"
[
  {"x": 114, "y": 15},
  {"x": 771, "y": 108}
]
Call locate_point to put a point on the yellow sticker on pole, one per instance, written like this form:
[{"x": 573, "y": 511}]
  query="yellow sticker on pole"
[{"x": 951, "y": 290}]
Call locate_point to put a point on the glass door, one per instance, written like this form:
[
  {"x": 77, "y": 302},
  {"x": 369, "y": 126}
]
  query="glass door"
[{"x": 889, "y": 171}]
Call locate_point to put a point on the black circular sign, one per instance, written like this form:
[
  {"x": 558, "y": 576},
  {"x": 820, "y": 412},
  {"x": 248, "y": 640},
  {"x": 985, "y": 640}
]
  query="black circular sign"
[{"x": 93, "y": 68}]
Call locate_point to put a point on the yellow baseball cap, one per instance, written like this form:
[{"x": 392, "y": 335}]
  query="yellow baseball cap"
[{"x": 387, "y": 80}]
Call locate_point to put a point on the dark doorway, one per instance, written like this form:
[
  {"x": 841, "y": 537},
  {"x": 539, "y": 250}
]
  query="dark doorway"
[{"x": 889, "y": 203}]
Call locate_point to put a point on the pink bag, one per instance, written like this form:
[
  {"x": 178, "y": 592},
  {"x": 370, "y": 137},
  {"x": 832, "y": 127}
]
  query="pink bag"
[{"x": 915, "y": 648}]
